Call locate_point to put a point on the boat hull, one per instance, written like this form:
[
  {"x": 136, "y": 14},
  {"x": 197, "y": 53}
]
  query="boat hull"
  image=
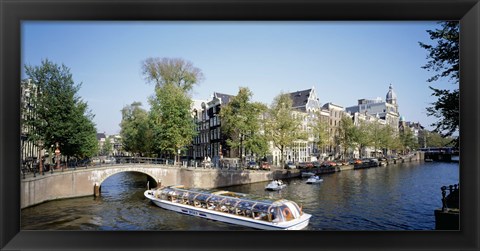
[
  {"x": 296, "y": 224},
  {"x": 307, "y": 174},
  {"x": 314, "y": 181},
  {"x": 277, "y": 188}
]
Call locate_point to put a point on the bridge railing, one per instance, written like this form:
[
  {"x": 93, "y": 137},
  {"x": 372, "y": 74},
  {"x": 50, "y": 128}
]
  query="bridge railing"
[{"x": 32, "y": 169}]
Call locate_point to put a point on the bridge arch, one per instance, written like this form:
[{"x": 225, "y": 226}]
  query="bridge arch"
[
  {"x": 99, "y": 176},
  {"x": 150, "y": 176}
]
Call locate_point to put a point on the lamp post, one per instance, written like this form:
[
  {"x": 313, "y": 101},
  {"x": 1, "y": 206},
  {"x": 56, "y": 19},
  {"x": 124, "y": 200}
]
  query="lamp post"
[
  {"x": 57, "y": 156},
  {"x": 40, "y": 156}
]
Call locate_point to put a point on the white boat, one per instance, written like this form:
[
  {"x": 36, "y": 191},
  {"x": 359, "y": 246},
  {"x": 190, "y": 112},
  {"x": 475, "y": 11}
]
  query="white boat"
[
  {"x": 307, "y": 174},
  {"x": 428, "y": 160},
  {"x": 275, "y": 185},
  {"x": 314, "y": 180},
  {"x": 231, "y": 207}
]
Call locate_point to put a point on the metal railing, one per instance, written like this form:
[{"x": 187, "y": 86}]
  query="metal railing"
[{"x": 450, "y": 200}]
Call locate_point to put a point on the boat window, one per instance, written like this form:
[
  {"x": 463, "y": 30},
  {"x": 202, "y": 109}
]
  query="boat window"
[
  {"x": 260, "y": 207},
  {"x": 276, "y": 216},
  {"x": 295, "y": 209},
  {"x": 191, "y": 196},
  {"x": 257, "y": 215},
  {"x": 202, "y": 197},
  {"x": 286, "y": 213}
]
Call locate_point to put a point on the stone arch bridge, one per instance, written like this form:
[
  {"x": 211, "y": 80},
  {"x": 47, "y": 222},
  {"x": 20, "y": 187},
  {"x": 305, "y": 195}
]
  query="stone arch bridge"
[{"x": 88, "y": 181}]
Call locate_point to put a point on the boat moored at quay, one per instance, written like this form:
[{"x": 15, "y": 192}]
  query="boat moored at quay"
[{"x": 231, "y": 207}]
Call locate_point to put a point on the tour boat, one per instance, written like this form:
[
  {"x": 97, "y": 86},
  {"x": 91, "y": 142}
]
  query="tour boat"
[
  {"x": 231, "y": 207},
  {"x": 314, "y": 179},
  {"x": 275, "y": 185}
]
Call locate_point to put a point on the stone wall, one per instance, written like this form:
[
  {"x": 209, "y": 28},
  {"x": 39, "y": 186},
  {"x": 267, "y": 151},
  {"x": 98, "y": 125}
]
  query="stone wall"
[{"x": 79, "y": 183}]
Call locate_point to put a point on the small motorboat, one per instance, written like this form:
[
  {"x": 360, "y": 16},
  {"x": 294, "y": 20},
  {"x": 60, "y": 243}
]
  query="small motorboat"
[
  {"x": 428, "y": 160},
  {"x": 275, "y": 185},
  {"x": 307, "y": 174},
  {"x": 314, "y": 179}
]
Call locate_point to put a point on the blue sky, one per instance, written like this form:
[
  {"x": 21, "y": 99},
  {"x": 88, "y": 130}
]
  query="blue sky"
[{"x": 344, "y": 61}]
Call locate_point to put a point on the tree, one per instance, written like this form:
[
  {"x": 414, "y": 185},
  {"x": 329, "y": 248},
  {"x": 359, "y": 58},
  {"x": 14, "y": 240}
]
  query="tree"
[
  {"x": 171, "y": 121},
  {"x": 361, "y": 136},
  {"x": 59, "y": 114},
  {"x": 172, "y": 124},
  {"x": 242, "y": 124},
  {"x": 382, "y": 136},
  {"x": 407, "y": 139},
  {"x": 176, "y": 71},
  {"x": 135, "y": 130},
  {"x": 106, "y": 147},
  {"x": 434, "y": 139},
  {"x": 281, "y": 126},
  {"x": 320, "y": 130},
  {"x": 444, "y": 60},
  {"x": 346, "y": 134}
]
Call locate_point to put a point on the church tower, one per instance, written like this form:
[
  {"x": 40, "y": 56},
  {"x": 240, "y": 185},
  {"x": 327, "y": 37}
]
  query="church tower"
[{"x": 391, "y": 97}]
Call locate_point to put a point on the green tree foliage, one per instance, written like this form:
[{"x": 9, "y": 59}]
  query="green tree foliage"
[
  {"x": 242, "y": 123},
  {"x": 282, "y": 127},
  {"x": 444, "y": 61},
  {"x": 434, "y": 139},
  {"x": 346, "y": 134},
  {"x": 172, "y": 124},
  {"x": 320, "y": 130},
  {"x": 59, "y": 114},
  {"x": 135, "y": 130},
  {"x": 382, "y": 137},
  {"x": 175, "y": 71},
  {"x": 361, "y": 136},
  {"x": 107, "y": 147},
  {"x": 407, "y": 139}
]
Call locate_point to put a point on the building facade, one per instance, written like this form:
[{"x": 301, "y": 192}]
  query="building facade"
[
  {"x": 29, "y": 149},
  {"x": 335, "y": 114},
  {"x": 306, "y": 107},
  {"x": 386, "y": 110},
  {"x": 210, "y": 141}
]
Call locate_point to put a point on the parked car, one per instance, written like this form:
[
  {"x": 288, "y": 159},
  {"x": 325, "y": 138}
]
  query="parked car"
[
  {"x": 316, "y": 164},
  {"x": 252, "y": 165},
  {"x": 355, "y": 161},
  {"x": 309, "y": 164},
  {"x": 301, "y": 165},
  {"x": 265, "y": 166},
  {"x": 290, "y": 165},
  {"x": 374, "y": 160},
  {"x": 329, "y": 163},
  {"x": 110, "y": 160},
  {"x": 95, "y": 160}
]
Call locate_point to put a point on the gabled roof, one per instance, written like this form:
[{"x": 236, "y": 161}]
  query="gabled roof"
[
  {"x": 101, "y": 136},
  {"x": 300, "y": 99},
  {"x": 352, "y": 109},
  {"x": 224, "y": 97}
]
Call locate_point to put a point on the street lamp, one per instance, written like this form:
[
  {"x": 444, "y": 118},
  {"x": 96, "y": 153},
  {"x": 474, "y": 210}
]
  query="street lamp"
[
  {"x": 40, "y": 155},
  {"x": 57, "y": 156}
]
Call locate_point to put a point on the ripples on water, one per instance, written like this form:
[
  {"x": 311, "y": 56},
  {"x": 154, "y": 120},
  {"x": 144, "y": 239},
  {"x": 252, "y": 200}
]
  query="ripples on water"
[{"x": 397, "y": 197}]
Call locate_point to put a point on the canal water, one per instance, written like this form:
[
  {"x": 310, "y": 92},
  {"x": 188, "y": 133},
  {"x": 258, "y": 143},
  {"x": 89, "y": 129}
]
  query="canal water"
[{"x": 396, "y": 197}]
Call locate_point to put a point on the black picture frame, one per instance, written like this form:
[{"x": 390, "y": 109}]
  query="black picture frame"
[{"x": 14, "y": 11}]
